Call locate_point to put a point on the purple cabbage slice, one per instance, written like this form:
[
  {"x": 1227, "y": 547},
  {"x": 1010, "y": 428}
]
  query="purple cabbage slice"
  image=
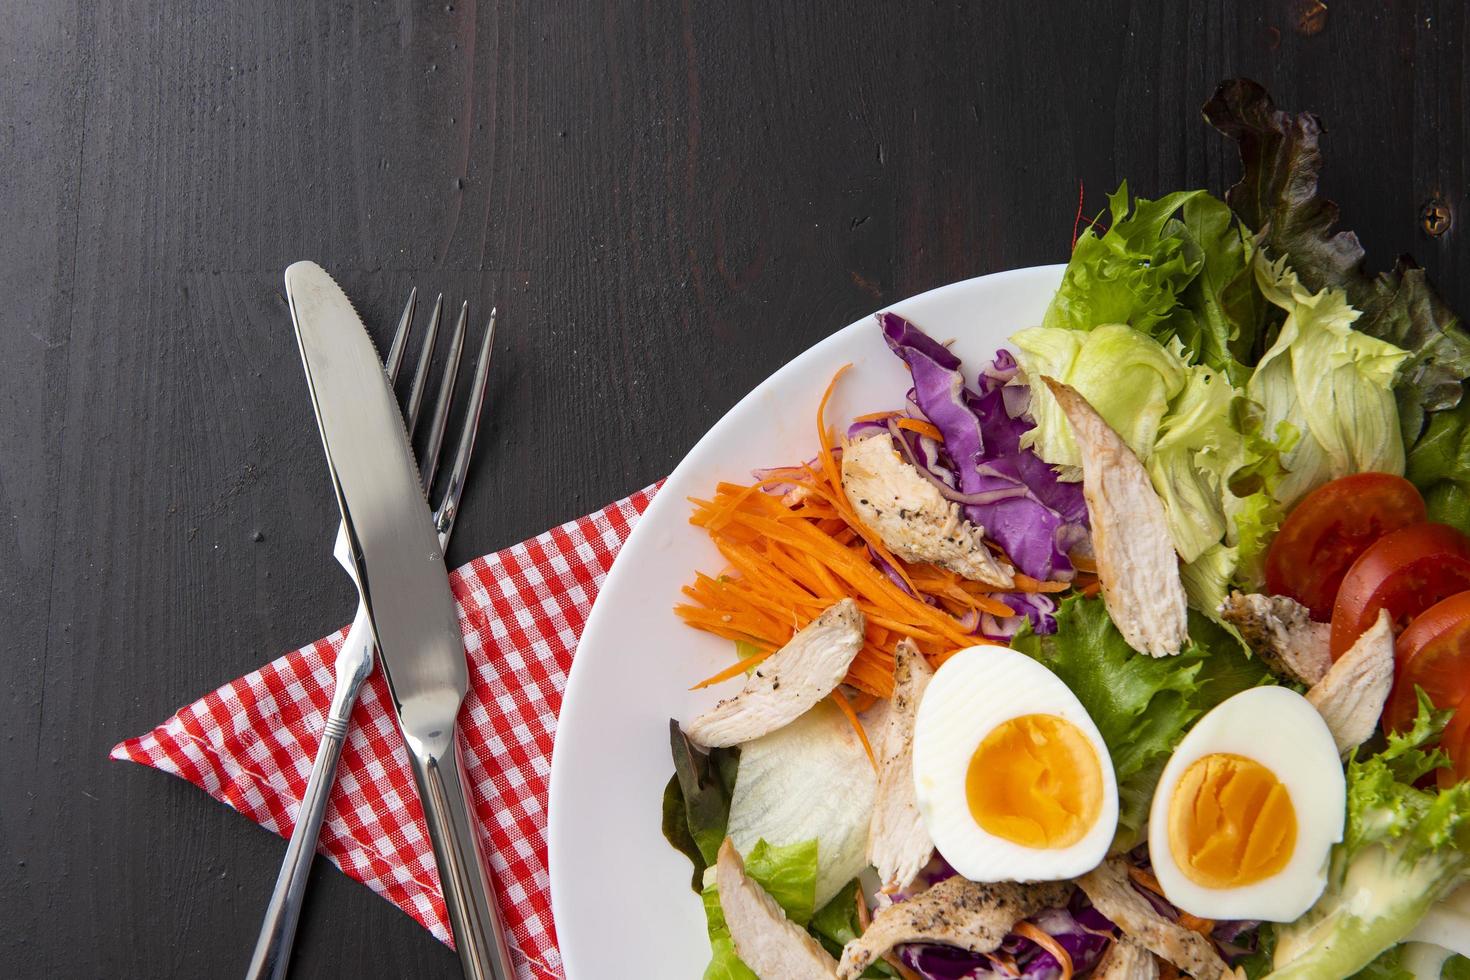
[{"x": 982, "y": 433}]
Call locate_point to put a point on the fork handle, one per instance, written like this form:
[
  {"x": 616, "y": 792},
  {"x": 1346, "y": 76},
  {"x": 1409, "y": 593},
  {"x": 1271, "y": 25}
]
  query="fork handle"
[
  {"x": 479, "y": 936},
  {"x": 278, "y": 931}
]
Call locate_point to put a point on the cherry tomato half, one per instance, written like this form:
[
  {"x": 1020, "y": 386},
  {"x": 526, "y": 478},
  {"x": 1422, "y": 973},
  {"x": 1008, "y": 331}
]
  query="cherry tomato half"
[
  {"x": 1334, "y": 524},
  {"x": 1405, "y": 572},
  {"x": 1434, "y": 654}
]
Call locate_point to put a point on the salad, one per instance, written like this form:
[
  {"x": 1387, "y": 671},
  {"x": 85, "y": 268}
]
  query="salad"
[{"x": 1140, "y": 651}]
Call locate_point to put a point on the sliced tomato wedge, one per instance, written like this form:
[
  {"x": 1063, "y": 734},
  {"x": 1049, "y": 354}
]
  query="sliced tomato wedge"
[
  {"x": 1334, "y": 524},
  {"x": 1405, "y": 572},
  {"x": 1456, "y": 743},
  {"x": 1432, "y": 654}
]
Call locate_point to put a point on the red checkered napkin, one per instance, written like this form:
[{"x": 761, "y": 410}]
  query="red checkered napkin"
[{"x": 250, "y": 743}]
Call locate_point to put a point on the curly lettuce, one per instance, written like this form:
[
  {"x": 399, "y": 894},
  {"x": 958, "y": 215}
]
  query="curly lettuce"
[
  {"x": 1403, "y": 850},
  {"x": 1333, "y": 383},
  {"x": 1278, "y": 196},
  {"x": 1178, "y": 268}
]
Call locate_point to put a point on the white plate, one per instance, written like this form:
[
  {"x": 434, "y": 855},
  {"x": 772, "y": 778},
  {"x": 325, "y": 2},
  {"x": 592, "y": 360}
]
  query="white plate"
[{"x": 619, "y": 892}]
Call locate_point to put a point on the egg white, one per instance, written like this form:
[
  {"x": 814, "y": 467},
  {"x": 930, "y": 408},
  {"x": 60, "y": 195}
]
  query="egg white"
[
  {"x": 1281, "y": 730},
  {"x": 972, "y": 692}
]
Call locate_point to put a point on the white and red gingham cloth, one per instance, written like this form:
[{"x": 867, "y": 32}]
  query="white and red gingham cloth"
[{"x": 251, "y": 743}]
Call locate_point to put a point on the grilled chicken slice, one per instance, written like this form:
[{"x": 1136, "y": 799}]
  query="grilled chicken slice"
[
  {"x": 1108, "y": 888},
  {"x": 957, "y": 912},
  {"x": 787, "y": 683},
  {"x": 765, "y": 940},
  {"x": 1350, "y": 698},
  {"x": 1281, "y": 632},
  {"x": 1130, "y": 534},
  {"x": 898, "y": 844},
  {"x": 912, "y": 517},
  {"x": 1126, "y": 960}
]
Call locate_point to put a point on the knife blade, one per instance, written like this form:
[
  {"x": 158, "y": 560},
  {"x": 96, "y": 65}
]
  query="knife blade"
[{"x": 400, "y": 574}]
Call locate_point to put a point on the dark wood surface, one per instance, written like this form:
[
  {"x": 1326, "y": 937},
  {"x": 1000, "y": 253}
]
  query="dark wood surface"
[{"x": 667, "y": 201}]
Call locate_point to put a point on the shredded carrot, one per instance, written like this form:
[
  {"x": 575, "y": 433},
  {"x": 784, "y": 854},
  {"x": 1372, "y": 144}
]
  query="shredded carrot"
[
  {"x": 1046, "y": 942},
  {"x": 734, "y": 670},
  {"x": 793, "y": 545},
  {"x": 1091, "y": 588},
  {"x": 904, "y": 973},
  {"x": 876, "y": 416},
  {"x": 921, "y": 427},
  {"x": 1205, "y": 927},
  {"x": 857, "y": 726},
  {"x": 863, "y": 915},
  {"x": 1084, "y": 564},
  {"x": 1025, "y": 583},
  {"x": 1147, "y": 880}
]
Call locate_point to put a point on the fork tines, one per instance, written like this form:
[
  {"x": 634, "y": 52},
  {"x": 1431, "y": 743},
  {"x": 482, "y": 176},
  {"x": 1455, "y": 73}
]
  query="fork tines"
[{"x": 448, "y": 507}]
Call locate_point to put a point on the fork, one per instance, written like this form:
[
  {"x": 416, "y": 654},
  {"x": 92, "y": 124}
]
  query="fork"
[{"x": 356, "y": 659}]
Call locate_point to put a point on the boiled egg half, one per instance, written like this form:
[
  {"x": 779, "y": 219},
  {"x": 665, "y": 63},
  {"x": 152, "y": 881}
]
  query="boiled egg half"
[
  {"x": 1013, "y": 780},
  {"x": 1248, "y": 808}
]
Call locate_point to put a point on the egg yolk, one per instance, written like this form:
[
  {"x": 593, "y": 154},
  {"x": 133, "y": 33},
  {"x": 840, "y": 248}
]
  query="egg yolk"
[
  {"x": 1035, "y": 781},
  {"x": 1231, "y": 822}
]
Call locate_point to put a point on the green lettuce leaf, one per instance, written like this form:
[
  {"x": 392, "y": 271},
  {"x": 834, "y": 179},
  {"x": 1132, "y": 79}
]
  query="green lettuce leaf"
[
  {"x": 1278, "y": 196},
  {"x": 1092, "y": 362},
  {"x": 836, "y": 924},
  {"x": 724, "y": 963},
  {"x": 1207, "y": 582},
  {"x": 1388, "y": 966},
  {"x": 1439, "y": 465},
  {"x": 1141, "y": 706},
  {"x": 1133, "y": 273},
  {"x": 1184, "y": 277},
  {"x": 788, "y": 874},
  {"x": 1196, "y": 452},
  {"x": 1328, "y": 380},
  {"x": 1416, "y": 961},
  {"x": 696, "y": 801},
  {"x": 1228, "y": 310},
  {"x": 1405, "y": 847}
]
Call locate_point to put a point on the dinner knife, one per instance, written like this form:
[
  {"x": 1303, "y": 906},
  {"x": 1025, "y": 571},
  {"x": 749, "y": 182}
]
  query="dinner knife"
[{"x": 404, "y": 585}]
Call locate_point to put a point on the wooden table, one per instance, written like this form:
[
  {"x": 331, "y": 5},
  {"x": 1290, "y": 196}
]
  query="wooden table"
[{"x": 667, "y": 201}]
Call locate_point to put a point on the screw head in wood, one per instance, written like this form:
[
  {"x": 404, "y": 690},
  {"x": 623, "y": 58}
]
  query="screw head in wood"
[{"x": 1435, "y": 217}]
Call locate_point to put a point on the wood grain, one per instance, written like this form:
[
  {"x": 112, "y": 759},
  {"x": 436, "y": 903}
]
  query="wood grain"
[{"x": 666, "y": 200}]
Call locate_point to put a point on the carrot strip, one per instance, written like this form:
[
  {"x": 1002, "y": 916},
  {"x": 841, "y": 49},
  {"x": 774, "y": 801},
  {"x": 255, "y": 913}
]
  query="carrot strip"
[
  {"x": 876, "y": 416},
  {"x": 1048, "y": 943},
  {"x": 852, "y": 719},
  {"x": 734, "y": 670},
  {"x": 921, "y": 427},
  {"x": 1205, "y": 927},
  {"x": 1025, "y": 583}
]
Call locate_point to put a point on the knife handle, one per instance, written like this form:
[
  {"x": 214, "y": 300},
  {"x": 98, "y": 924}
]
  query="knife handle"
[{"x": 463, "y": 877}]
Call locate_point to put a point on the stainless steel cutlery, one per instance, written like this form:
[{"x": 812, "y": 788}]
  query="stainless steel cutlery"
[{"x": 392, "y": 546}]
